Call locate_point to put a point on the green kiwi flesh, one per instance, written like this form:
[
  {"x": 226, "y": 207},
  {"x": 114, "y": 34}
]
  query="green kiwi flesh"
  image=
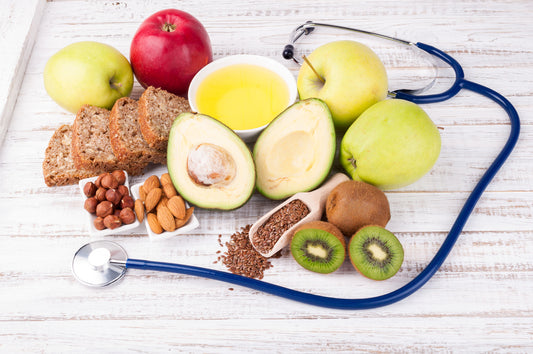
[
  {"x": 375, "y": 252},
  {"x": 318, "y": 250}
]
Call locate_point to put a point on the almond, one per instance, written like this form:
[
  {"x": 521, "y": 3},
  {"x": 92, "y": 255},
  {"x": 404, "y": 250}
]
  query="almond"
[
  {"x": 162, "y": 202},
  {"x": 151, "y": 183},
  {"x": 152, "y": 198},
  {"x": 169, "y": 190},
  {"x": 165, "y": 218},
  {"x": 151, "y": 218},
  {"x": 142, "y": 193},
  {"x": 165, "y": 179},
  {"x": 188, "y": 214},
  {"x": 139, "y": 209},
  {"x": 177, "y": 206}
]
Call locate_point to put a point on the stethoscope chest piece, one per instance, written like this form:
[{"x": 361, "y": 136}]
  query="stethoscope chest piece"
[{"x": 99, "y": 263}]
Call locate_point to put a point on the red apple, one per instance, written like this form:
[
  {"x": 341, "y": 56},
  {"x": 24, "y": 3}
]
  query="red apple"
[{"x": 168, "y": 49}]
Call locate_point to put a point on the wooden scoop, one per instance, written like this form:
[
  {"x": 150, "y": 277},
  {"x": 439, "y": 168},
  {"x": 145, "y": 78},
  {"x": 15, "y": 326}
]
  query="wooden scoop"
[{"x": 314, "y": 200}]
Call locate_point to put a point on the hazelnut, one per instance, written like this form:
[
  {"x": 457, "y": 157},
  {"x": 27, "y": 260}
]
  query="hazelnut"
[
  {"x": 104, "y": 209},
  {"x": 89, "y": 189},
  {"x": 98, "y": 182},
  {"x": 117, "y": 212},
  {"x": 99, "y": 223},
  {"x": 127, "y": 202},
  {"x": 109, "y": 182},
  {"x": 127, "y": 216},
  {"x": 100, "y": 194},
  {"x": 120, "y": 176},
  {"x": 123, "y": 190},
  {"x": 90, "y": 205},
  {"x": 112, "y": 222},
  {"x": 113, "y": 196}
]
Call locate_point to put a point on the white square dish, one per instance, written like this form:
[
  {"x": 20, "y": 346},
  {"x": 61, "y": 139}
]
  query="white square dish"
[
  {"x": 192, "y": 224},
  {"x": 91, "y": 217}
]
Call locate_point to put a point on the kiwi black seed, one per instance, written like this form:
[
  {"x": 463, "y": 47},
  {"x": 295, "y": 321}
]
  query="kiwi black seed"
[
  {"x": 318, "y": 246},
  {"x": 375, "y": 252}
]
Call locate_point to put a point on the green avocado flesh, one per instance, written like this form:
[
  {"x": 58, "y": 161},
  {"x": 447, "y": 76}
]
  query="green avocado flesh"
[
  {"x": 295, "y": 152},
  {"x": 210, "y": 166}
]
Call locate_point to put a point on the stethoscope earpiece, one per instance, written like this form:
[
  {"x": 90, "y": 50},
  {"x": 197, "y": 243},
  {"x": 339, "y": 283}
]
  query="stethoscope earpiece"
[{"x": 288, "y": 52}]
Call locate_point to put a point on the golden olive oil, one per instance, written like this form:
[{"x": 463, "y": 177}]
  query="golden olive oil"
[{"x": 242, "y": 96}]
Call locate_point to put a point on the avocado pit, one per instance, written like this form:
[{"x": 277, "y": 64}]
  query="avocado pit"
[{"x": 209, "y": 164}]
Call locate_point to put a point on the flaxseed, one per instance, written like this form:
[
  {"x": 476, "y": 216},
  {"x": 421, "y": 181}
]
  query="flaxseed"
[
  {"x": 241, "y": 258},
  {"x": 269, "y": 233}
]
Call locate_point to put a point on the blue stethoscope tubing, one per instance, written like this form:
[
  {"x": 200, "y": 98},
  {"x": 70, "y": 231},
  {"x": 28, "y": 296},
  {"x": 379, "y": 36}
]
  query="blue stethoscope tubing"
[{"x": 439, "y": 258}]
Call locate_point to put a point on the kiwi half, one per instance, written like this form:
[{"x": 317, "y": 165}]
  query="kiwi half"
[
  {"x": 375, "y": 252},
  {"x": 318, "y": 246}
]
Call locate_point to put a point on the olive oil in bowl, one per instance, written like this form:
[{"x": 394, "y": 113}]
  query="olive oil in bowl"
[
  {"x": 242, "y": 96},
  {"x": 245, "y": 92}
]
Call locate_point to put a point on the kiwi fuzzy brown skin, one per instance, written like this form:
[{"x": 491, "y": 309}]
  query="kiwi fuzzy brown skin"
[
  {"x": 354, "y": 204},
  {"x": 307, "y": 261}
]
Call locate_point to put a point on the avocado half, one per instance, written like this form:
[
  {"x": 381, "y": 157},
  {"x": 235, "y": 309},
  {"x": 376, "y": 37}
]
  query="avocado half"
[
  {"x": 296, "y": 151},
  {"x": 210, "y": 166}
]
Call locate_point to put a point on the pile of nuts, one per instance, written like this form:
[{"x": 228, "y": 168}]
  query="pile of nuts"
[
  {"x": 109, "y": 199},
  {"x": 165, "y": 209}
]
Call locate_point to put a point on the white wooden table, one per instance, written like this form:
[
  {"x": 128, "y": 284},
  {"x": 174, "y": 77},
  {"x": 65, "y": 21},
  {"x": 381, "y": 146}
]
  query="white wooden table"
[{"x": 480, "y": 300}]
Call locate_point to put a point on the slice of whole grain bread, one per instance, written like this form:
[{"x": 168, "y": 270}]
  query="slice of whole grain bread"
[
  {"x": 157, "y": 110},
  {"x": 91, "y": 144},
  {"x": 125, "y": 134},
  {"x": 58, "y": 166}
]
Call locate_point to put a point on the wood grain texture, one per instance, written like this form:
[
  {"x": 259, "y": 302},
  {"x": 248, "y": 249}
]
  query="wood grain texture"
[
  {"x": 18, "y": 28},
  {"x": 479, "y": 301}
]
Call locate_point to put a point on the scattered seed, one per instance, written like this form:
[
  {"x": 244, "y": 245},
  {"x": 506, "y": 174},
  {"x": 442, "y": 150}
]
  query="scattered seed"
[{"x": 241, "y": 258}]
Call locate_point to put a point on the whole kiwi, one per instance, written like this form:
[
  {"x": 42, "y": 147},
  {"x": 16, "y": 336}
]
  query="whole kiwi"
[{"x": 354, "y": 204}]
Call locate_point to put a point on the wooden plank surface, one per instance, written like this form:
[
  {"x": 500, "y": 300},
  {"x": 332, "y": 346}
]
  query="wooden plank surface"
[
  {"x": 18, "y": 28},
  {"x": 479, "y": 301}
]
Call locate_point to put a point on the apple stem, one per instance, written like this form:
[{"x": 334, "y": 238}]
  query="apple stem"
[
  {"x": 312, "y": 68},
  {"x": 168, "y": 27},
  {"x": 352, "y": 161}
]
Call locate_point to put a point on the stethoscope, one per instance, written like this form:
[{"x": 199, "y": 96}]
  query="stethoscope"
[{"x": 103, "y": 262}]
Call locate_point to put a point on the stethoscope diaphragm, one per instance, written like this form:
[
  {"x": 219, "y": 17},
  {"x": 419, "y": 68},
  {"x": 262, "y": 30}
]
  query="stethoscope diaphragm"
[{"x": 99, "y": 263}]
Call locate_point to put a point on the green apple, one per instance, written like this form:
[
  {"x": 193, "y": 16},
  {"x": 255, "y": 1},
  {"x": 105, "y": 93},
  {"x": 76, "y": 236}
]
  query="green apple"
[
  {"x": 351, "y": 78},
  {"x": 87, "y": 73},
  {"x": 392, "y": 144}
]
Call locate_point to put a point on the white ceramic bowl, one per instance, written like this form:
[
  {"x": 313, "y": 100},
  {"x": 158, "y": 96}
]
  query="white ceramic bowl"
[
  {"x": 248, "y": 135},
  {"x": 189, "y": 226},
  {"x": 128, "y": 228}
]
